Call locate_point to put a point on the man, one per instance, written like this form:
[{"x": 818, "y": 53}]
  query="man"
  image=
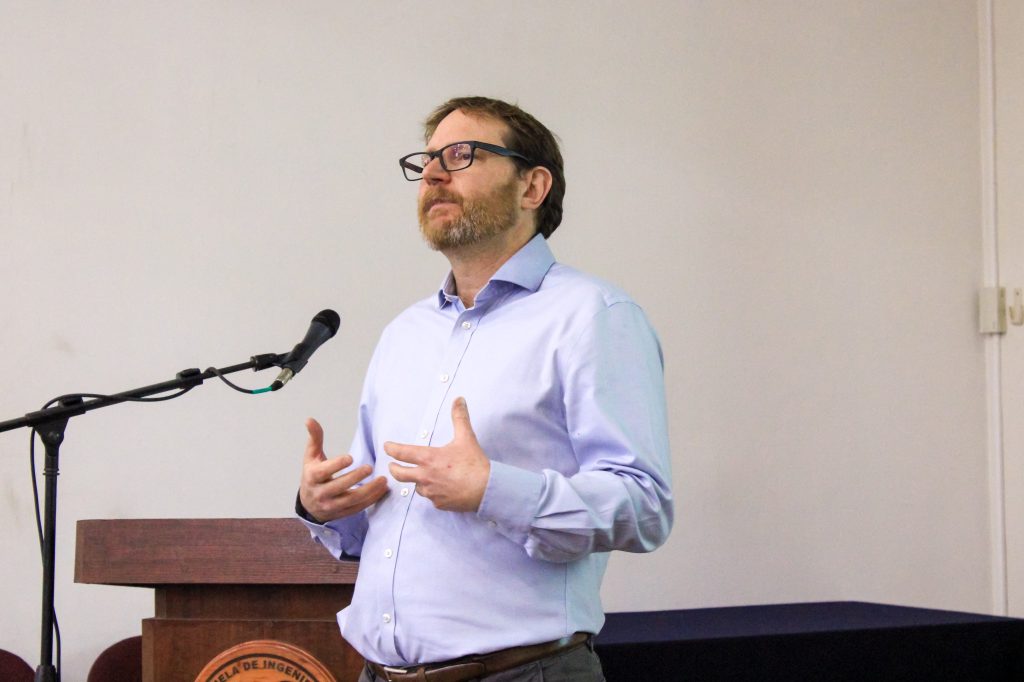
[{"x": 512, "y": 431}]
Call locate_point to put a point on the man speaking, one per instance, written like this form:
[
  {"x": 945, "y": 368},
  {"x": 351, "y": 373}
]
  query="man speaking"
[{"x": 512, "y": 431}]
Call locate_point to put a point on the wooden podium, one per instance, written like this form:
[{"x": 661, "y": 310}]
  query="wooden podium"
[{"x": 221, "y": 582}]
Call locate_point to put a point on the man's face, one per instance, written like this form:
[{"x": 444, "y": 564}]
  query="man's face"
[{"x": 475, "y": 204}]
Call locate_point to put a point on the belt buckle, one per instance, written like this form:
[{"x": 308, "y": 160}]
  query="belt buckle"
[{"x": 388, "y": 670}]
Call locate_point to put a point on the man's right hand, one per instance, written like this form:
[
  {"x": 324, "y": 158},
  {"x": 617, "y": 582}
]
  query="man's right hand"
[{"x": 327, "y": 496}]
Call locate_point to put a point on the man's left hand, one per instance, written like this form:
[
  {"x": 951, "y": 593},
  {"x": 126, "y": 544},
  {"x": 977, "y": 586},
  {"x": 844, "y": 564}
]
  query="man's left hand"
[{"x": 453, "y": 476}]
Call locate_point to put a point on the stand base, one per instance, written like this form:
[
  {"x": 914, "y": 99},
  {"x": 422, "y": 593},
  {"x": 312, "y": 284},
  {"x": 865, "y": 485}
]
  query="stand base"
[{"x": 46, "y": 673}]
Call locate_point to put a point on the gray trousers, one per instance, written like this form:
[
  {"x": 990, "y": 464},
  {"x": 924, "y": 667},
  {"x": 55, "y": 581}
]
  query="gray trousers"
[{"x": 579, "y": 665}]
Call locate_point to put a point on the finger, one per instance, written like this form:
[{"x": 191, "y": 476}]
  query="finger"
[
  {"x": 405, "y": 474},
  {"x": 336, "y": 485},
  {"x": 331, "y": 494},
  {"x": 315, "y": 445},
  {"x": 368, "y": 494},
  {"x": 410, "y": 454},
  {"x": 461, "y": 426},
  {"x": 323, "y": 470},
  {"x": 354, "y": 500}
]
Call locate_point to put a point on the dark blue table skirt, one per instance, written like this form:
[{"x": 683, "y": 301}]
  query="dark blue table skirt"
[{"x": 815, "y": 641}]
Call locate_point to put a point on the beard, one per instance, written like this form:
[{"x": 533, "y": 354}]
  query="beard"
[{"x": 478, "y": 219}]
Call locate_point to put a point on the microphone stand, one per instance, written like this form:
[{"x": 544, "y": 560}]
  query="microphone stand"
[{"x": 50, "y": 424}]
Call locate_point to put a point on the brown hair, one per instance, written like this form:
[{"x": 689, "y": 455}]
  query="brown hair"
[{"x": 526, "y": 135}]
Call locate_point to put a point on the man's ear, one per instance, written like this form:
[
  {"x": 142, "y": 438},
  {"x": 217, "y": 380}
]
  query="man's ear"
[{"x": 538, "y": 184}]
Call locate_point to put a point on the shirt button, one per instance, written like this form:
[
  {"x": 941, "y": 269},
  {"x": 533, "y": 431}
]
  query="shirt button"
[
  {"x": 387, "y": 617},
  {"x": 467, "y": 325},
  {"x": 444, "y": 378},
  {"x": 492, "y": 524},
  {"x": 405, "y": 492},
  {"x": 388, "y": 553},
  {"x": 424, "y": 434}
]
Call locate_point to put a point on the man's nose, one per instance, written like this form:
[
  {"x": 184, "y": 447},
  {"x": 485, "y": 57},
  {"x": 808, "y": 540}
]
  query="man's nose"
[{"x": 434, "y": 174}]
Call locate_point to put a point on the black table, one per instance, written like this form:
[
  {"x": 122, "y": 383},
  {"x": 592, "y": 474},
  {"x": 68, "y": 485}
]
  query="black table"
[{"x": 815, "y": 641}]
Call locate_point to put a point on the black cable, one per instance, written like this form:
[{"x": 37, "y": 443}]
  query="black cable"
[
  {"x": 239, "y": 388},
  {"x": 39, "y": 529}
]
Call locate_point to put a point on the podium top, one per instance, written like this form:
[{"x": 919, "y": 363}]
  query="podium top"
[{"x": 157, "y": 552}]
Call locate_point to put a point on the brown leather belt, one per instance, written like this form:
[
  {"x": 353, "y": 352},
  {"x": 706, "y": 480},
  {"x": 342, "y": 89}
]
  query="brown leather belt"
[{"x": 472, "y": 667}]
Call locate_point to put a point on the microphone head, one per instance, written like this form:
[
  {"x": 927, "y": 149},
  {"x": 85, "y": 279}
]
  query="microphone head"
[{"x": 329, "y": 319}]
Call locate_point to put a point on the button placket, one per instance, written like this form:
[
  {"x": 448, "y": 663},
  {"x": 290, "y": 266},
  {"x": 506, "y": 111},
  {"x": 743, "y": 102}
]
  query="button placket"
[
  {"x": 458, "y": 343},
  {"x": 463, "y": 329}
]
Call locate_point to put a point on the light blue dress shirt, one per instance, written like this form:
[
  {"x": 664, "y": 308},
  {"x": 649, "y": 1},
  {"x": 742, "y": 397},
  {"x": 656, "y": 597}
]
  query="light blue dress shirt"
[{"x": 563, "y": 378}]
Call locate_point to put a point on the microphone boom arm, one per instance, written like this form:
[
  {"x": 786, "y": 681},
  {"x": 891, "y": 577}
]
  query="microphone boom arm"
[{"x": 186, "y": 379}]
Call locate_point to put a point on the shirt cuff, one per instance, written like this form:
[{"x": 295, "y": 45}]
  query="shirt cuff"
[
  {"x": 343, "y": 538},
  {"x": 511, "y": 499},
  {"x": 301, "y": 511}
]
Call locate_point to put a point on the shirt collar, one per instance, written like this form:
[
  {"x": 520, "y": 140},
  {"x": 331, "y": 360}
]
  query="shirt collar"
[{"x": 526, "y": 268}]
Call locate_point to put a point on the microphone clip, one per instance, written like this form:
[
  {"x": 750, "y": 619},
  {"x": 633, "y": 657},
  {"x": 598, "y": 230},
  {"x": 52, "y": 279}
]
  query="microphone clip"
[{"x": 266, "y": 360}]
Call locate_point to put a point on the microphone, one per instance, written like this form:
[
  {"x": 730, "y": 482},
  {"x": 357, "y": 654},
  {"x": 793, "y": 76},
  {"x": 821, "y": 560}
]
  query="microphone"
[{"x": 323, "y": 327}]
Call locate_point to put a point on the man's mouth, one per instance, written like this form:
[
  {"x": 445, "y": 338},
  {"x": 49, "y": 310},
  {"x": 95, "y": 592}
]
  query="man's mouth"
[{"x": 430, "y": 204}]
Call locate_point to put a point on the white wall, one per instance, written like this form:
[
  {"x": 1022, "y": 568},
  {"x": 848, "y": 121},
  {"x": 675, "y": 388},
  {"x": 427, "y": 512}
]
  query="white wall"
[
  {"x": 791, "y": 189},
  {"x": 1008, "y": 167}
]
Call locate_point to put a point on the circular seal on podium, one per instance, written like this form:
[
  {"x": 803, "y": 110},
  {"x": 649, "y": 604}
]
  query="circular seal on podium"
[{"x": 265, "y": 660}]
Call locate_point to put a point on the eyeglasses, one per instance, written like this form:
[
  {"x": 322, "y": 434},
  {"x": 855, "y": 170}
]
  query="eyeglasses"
[{"x": 453, "y": 157}]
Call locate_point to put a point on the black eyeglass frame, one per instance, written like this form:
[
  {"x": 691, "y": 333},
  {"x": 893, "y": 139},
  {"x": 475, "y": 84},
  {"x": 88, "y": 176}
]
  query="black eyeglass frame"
[{"x": 408, "y": 166}]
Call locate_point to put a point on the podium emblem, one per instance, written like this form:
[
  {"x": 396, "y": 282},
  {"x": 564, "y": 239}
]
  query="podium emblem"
[{"x": 265, "y": 660}]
